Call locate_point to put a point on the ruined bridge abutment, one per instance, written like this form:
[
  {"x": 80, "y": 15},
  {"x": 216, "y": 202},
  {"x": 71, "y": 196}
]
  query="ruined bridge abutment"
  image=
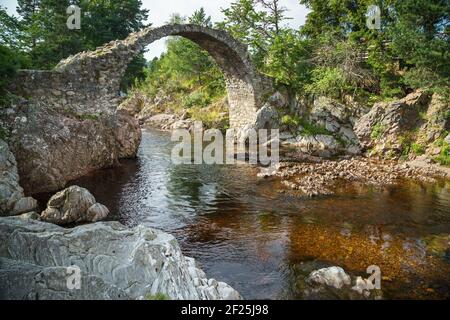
[{"x": 88, "y": 82}]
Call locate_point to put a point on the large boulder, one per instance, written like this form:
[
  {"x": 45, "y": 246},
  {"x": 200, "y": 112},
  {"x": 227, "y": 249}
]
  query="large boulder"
[
  {"x": 338, "y": 119},
  {"x": 326, "y": 128},
  {"x": 114, "y": 262},
  {"x": 334, "y": 283},
  {"x": 391, "y": 127},
  {"x": 331, "y": 276},
  {"x": 54, "y": 146},
  {"x": 267, "y": 116},
  {"x": 319, "y": 145},
  {"x": 73, "y": 205},
  {"x": 12, "y": 198}
]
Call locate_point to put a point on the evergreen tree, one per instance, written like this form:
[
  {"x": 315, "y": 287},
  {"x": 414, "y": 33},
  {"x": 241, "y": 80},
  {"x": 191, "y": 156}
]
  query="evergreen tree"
[{"x": 49, "y": 40}]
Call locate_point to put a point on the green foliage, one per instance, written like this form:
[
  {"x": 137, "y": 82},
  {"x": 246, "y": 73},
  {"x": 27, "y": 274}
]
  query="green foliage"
[
  {"x": 287, "y": 59},
  {"x": 291, "y": 121},
  {"x": 327, "y": 81},
  {"x": 275, "y": 49},
  {"x": 308, "y": 129},
  {"x": 3, "y": 133},
  {"x": 91, "y": 117},
  {"x": 196, "y": 99},
  {"x": 158, "y": 296},
  {"x": 9, "y": 63},
  {"x": 444, "y": 157},
  {"x": 417, "y": 149},
  {"x": 188, "y": 77},
  {"x": 410, "y": 51},
  {"x": 43, "y": 36},
  {"x": 377, "y": 131},
  {"x": 420, "y": 38}
]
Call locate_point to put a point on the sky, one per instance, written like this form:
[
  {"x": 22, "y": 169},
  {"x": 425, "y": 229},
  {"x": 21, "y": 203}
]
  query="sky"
[{"x": 160, "y": 12}]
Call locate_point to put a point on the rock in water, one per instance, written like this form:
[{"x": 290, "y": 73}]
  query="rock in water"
[
  {"x": 73, "y": 205},
  {"x": 114, "y": 263},
  {"x": 332, "y": 276}
]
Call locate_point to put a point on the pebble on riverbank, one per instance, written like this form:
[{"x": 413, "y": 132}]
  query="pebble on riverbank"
[{"x": 321, "y": 178}]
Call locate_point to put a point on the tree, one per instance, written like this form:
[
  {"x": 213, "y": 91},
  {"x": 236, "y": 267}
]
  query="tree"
[
  {"x": 11, "y": 33},
  {"x": 256, "y": 23},
  {"x": 410, "y": 51},
  {"x": 288, "y": 60},
  {"x": 28, "y": 10},
  {"x": 105, "y": 20},
  {"x": 186, "y": 73},
  {"x": 200, "y": 17},
  {"x": 11, "y": 58},
  {"x": 420, "y": 38},
  {"x": 49, "y": 40},
  {"x": 9, "y": 63}
]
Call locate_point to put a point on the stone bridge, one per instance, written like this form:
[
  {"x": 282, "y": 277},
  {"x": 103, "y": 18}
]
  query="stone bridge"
[{"x": 89, "y": 81}]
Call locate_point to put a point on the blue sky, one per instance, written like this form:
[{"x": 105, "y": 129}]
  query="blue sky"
[{"x": 160, "y": 12}]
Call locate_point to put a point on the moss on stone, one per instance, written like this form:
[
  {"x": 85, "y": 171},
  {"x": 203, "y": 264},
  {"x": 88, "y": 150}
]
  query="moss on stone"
[
  {"x": 377, "y": 131},
  {"x": 157, "y": 296}
]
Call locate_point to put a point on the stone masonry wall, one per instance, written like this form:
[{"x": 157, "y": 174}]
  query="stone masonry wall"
[{"x": 88, "y": 82}]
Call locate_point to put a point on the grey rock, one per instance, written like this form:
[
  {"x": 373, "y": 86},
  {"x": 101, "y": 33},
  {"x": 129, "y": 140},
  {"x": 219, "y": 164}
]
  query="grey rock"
[
  {"x": 56, "y": 146},
  {"x": 319, "y": 145},
  {"x": 115, "y": 263},
  {"x": 332, "y": 276},
  {"x": 24, "y": 205},
  {"x": 163, "y": 121},
  {"x": 73, "y": 205},
  {"x": 26, "y": 281},
  {"x": 447, "y": 138},
  {"x": 12, "y": 199},
  {"x": 267, "y": 117},
  {"x": 381, "y": 129},
  {"x": 182, "y": 124},
  {"x": 30, "y": 215},
  {"x": 96, "y": 212}
]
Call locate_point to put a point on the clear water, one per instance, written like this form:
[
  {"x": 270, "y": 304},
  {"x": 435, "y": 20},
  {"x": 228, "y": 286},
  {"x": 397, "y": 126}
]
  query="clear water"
[{"x": 263, "y": 242}]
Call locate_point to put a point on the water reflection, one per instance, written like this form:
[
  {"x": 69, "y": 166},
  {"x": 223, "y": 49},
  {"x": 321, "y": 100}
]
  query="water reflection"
[{"x": 264, "y": 242}]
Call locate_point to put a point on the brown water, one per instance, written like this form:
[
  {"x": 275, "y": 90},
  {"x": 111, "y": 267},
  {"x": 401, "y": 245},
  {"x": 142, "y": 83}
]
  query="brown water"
[{"x": 263, "y": 242}]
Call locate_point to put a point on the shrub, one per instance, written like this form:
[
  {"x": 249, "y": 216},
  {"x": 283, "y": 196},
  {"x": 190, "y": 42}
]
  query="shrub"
[
  {"x": 417, "y": 149},
  {"x": 444, "y": 157},
  {"x": 197, "y": 99},
  {"x": 9, "y": 63},
  {"x": 377, "y": 131},
  {"x": 308, "y": 129},
  {"x": 158, "y": 296}
]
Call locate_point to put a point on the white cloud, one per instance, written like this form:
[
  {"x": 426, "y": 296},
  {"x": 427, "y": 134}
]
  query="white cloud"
[{"x": 160, "y": 12}]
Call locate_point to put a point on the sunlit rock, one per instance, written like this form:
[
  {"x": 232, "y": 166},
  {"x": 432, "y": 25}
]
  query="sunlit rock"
[{"x": 115, "y": 262}]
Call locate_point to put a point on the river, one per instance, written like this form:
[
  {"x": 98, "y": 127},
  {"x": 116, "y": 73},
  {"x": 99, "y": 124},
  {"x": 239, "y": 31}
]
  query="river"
[{"x": 242, "y": 230}]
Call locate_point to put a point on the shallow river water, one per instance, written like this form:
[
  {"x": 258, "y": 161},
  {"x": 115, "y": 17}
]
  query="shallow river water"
[{"x": 242, "y": 230}]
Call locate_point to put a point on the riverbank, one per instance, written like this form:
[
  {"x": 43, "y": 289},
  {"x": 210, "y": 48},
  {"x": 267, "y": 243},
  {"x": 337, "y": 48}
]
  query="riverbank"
[
  {"x": 38, "y": 259},
  {"x": 312, "y": 176},
  {"x": 264, "y": 243}
]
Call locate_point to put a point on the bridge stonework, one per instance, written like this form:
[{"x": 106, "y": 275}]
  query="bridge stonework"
[{"x": 88, "y": 82}]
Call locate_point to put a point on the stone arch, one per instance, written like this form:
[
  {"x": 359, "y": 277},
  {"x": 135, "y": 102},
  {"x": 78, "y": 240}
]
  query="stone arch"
[{"x": 89, "y": 81}]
